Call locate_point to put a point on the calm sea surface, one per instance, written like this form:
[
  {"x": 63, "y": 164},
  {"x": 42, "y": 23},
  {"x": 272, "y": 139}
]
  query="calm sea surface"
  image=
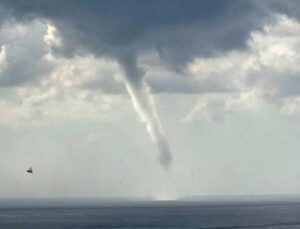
[{"x": 149, "y": 215}]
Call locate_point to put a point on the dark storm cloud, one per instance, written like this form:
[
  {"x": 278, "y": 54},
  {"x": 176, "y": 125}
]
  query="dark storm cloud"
[{"x": 178, "y": 30}]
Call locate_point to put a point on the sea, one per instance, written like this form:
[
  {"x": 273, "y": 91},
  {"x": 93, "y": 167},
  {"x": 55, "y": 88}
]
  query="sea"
[{"x": 61, "y": 213}]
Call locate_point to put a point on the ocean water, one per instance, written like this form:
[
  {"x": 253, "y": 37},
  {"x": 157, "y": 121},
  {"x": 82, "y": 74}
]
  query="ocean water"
[{"x": 151, "y": 215}]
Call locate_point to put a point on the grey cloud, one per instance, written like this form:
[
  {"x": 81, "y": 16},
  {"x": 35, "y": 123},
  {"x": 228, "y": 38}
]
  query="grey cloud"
[
  {"x": 186, "y": 85},
  {"x": 290, "y": 7},
  {"x": 179, "y": 30},
  {"x": 107, "y": 85},
  {"x": 24, "y": 54}
]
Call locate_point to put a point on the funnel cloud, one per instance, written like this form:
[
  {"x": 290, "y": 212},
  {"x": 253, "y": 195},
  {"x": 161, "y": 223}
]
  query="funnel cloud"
[{"x": 144, "y": 104}]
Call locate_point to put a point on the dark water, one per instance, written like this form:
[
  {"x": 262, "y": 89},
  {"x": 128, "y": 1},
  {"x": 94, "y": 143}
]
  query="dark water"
[{"x": 147, "y": 215}]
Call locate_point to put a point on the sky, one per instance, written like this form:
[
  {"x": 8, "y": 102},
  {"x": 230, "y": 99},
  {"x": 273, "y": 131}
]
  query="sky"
[{"x": 160, "y": 100}]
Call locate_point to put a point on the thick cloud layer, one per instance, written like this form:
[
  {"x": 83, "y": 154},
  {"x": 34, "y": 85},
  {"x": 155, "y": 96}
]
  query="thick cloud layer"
[{"x": 179, "y": 30}]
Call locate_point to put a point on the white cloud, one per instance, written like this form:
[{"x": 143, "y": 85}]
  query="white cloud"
[
  {"x": 266, "y": 72},
  {"x": 24, "y": 53},
  {"x": 291, "y": 106},
  {"x": 76, "y": 90},
  {"x": 51, "y": 38},
  {"x": 47, "y": 87},
  {"x": 2, "y": 58}
]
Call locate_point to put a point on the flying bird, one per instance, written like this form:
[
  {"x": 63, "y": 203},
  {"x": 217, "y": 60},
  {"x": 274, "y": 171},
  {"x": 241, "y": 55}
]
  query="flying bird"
[{"x": 29, "y": 170}]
